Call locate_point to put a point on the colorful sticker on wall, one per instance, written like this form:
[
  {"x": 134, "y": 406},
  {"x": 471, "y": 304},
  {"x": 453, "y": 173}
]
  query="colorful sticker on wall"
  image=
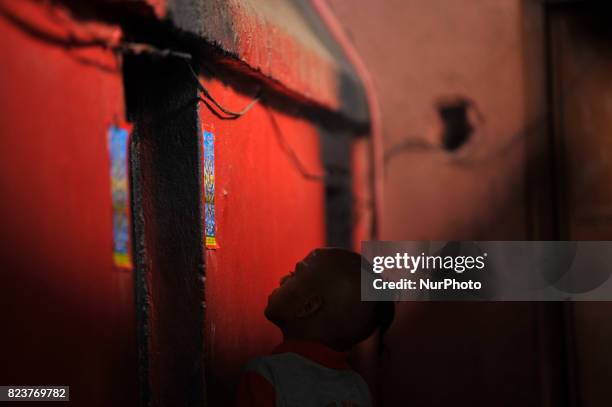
[
  {"x": 118, "y": 139},
  {"x": 208, "y": 166}
]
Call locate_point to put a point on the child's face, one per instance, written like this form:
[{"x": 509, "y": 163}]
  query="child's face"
[{"x": 285, "y": 301}]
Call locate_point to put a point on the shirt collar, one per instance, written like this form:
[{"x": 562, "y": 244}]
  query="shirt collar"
[{"x": 316, "y": 352}]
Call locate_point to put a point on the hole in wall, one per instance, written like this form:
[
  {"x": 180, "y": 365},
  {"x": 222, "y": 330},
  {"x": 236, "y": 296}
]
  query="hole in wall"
[{"x": 457, "y": 126}]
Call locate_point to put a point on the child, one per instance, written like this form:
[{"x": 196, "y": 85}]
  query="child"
[{"x": 321, "y": 316}]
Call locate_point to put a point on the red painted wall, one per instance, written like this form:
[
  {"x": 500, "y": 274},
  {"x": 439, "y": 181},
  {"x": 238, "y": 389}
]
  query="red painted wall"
[
  {"x": 268, "y": 217},
  {"x": 67, "y": 315}
]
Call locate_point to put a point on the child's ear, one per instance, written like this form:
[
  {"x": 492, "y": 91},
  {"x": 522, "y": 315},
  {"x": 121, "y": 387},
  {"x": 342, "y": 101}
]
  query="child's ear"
[{"x": 310, "y": 306}]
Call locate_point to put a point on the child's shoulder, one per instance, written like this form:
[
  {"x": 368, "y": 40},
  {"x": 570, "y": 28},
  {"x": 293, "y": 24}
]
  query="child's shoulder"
[
  {"x": 301, "y": 380},
  {"x": 282, "y": 365},
  {"x": 272, "y": 365}
]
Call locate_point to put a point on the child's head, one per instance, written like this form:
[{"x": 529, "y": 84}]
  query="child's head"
[{"x": 320, "y": 301}]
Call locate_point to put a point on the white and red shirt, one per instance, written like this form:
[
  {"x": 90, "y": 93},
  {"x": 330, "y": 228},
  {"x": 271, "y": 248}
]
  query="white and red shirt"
[{"x": 302, "y": 374}]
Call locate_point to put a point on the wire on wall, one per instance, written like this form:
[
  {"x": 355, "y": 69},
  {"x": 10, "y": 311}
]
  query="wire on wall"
[
  {"x": 290, "y": 153},
  {"x": 72, "y": 40},
  {"x": 230, "y": 113}
]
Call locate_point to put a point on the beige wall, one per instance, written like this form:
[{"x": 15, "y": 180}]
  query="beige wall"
[
  {"x": 499, "y": 186},
  {"x": 491, "y": 52},
  {"x": 418, "y": 52}
]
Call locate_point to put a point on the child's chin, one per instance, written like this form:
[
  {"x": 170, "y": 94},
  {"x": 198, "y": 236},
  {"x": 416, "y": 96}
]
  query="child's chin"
[{"x": 270, "y": 315}]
